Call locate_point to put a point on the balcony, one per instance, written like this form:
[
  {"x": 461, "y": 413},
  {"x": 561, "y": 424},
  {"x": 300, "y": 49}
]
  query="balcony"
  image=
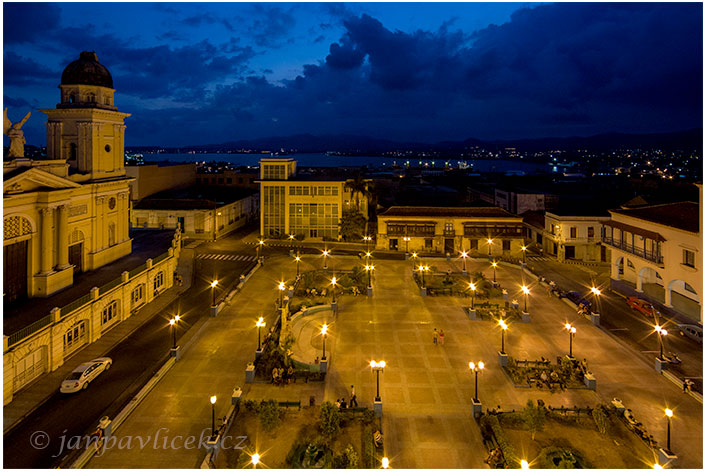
[{"x": 638, "y": 251}]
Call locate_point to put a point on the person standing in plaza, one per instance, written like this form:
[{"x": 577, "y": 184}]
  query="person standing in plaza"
[
  {"x": 441, "y": 337},
  {"x": 353, "y": 397},
  {"x": 435, "y": 336}
]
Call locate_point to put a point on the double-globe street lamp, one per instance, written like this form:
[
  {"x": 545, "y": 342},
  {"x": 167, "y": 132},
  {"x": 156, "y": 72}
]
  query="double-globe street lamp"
[
  {"x": 333, "y": 289},
  {"x": 369, "y": 269},
  {"x": 367, "y": 240},
  {"x": 661, "y": 332},
  {"x": 464, "y": 255},
  {"x": 172, "y": 324},
  {"x": 476, "y": 368},
  {"x": 406, "y": 240},
  {"x": 324, "y": 331},
  {"x": 422, "y": 269},
  {"x": 260, "y": 324},
  {"x": 525, "y": 289},
  {"x": 472, "y": 286},
  {"x": 572, "y": 332},
  {"x": 377, "y": 367},
  {"x": 503, "y": 327}
]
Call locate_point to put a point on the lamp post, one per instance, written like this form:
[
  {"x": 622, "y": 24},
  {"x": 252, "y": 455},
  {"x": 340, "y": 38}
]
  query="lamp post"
[
  {"x": 367, "y": 258},
  {"x": 324, "y": 330},
  {"x": 367, "y": 240},
  {"x": 669, "y": 414},
  {"x": 490, "y": 242},
  {"x": 281, "y": 293},
  {"x": 422, "y": 269},
  {"x": 260, "y": 243},
  {"x": 504, "y": 327},
  {"x": 333, "y": 289},
  {"x": 495, "y": 266},
  {"x": 255, "y": 460},
  {"x": 596, "y": 293},
  {"x": 172, "y": 324},
  {"x": 297, "y": 259},
  {"x": 414, "y": 260},
  {"x": 326, "y": 253},
  {"x": 476, "y": 368},
  {"x": 472, "y": 286},
  {"x": 406, "y": 243},
  {"x": 385, "y": 463},
  {"x": 524, "y": 253},
  {"x": 260, "y": 324},
  {"x": 369, "y": 269},
  {"x": 660, "y": 332},
  {"x": 377, "y": 367},
  {"x": 213, "y": 416},
  {"x": 524, "y": 464},
  {"x": 571, "y": 331},
  {"x": 291, "y": 242},
  {"x": 213, "y": 292},
  {"x": 526, "y": 291},
  {"x": 464, "y": 255}
]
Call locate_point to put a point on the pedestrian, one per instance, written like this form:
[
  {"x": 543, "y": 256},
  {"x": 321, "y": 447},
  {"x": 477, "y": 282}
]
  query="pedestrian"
[
  {"x": 353, "y": 398},
  {"x": 684, "y": 386},
  {"x": 435, "y": 336},
  {"x": 338, "y": 403},
  {"x": 343, "y": 403},
  {"x": 441, "y": 337}
]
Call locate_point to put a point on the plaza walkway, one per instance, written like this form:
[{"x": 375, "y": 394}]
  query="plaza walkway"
[{"x": 426, "y": 389}]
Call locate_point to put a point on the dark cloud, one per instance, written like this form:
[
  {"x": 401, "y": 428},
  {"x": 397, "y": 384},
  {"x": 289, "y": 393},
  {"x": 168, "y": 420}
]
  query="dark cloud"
[
  {"x": 15, "y": 102},
  {"x": 208, "y": 18},
  {"x": 272, "y": 25},
  {"x": 20, "y": 70},
  {"x": 27, "y": 22}
]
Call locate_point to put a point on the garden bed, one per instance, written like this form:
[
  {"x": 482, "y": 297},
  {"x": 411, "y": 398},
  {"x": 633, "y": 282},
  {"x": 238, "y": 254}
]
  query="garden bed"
[
  {"x": 568, "y": 438},
  {"x": 497, "y": 309},
  {"x": 542, "y": 374}
]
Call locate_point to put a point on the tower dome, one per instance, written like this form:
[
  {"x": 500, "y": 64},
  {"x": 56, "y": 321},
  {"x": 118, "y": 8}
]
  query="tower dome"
[{"x": 86, "y": 70}]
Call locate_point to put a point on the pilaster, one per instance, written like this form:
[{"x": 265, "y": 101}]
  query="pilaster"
[
  {"x": 47, "y": 247},
  {"x": 62, "y": 249}
]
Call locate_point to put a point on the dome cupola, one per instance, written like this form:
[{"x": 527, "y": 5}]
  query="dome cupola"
[{"x": 86, "y": 70}]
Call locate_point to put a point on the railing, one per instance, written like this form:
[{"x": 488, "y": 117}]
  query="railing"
[
  {"x": 75, "y": 305},
  {"x": 27, "y": 331},
  {"x": 160, "y": 258},
  {"x": 137, "y": 270},
  {"x": 638, "y": 251},
  {"x": 110, "y": 285}
]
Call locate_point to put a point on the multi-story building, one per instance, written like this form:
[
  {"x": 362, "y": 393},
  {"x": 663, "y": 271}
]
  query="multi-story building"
[
  {"x": 656, "y": 254},
  {"x": 244, "y": 177},
  {"x": 480, "y": 231},
  {"x": 305, "y": 206},
  {"x": 521, "y": 201},
  {"x": 154, "y": 178},
  {"x": 568, "y": 236},
  {"x": 68, "y": 213}
]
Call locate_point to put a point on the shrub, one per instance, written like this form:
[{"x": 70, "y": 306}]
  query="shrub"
[
  {"x": 369, "y": 448},
  {"x": 601, "y": 418},
  {"x": 329, "y": 420},
  {"x": 348, "y": 459},
  {"x": 251, "y": 405},
  {"x": 503, "y": 443},
  {"x": 269, "y": 414},
  {"x": 534, "y": 417},
  {"x": 368, "y": 416}
]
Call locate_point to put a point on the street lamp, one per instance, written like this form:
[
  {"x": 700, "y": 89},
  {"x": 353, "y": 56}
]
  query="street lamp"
[
  {"x": 524, "y": 464},
  {"x": 377, "y": 367},
  {"x": 324, "y": 330},
  {"x": 669, "y": 414},
  {"x": 476, "y": 368},
  {"x": 326, "y": 253},
  {"x": 472, "y": 286},
  {"x": 260, "y": 243},
  {"x": 596, "y": 293},
  {"x": 367, "y": 240},
  {"x": 333, "y": 289},
  {"x": 213, "y": 416},
  {"x": 571, "y": 331},
  {"x": 495, "y": 266},
  {"x": 172, "y": 324},
  {"x": 291, "y": 241},
  {"x": 526, "y": 291},
  {"x": 260, "y": 324},
  {"x": 422, "y": 269},
  {"x": 504, "y": 327},
  {"x": 660, "y": 332},
  {"x": 369, "y": 269},
  {"x": 490, "y": 242},
  {"x": 281, "y": 293},
  {"x": 464, "y": 255},
  {"x": 385, "y": 463},
  {"x": 297, "y": 259},
  {"x": 213, "y": 292},
  {"x": 524, "y": 252},
  {"x": 255, "y": 460},
  {"x": 406, "y": 242}
]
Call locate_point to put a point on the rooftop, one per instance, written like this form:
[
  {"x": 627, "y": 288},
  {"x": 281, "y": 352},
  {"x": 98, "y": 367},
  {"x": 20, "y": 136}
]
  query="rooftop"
[
  {"x": 196, "y": 197},
  {"x": 681, "y": 215},
  {"x": 458, "y": 212}
]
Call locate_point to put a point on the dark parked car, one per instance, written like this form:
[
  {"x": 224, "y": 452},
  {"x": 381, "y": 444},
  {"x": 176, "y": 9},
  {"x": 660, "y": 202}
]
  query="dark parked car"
[{"x": 578, "y": 299}]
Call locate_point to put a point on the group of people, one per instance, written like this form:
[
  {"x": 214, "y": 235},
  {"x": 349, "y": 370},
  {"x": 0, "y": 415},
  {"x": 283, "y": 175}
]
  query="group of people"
[
  {"x": 438, "y": 337},
  {"x": 280, "y": 377},
  {"x": 341, "y": 404}
]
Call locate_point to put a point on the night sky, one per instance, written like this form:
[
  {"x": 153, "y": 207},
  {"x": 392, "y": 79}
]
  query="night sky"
[{"x": 211, "y": 73}]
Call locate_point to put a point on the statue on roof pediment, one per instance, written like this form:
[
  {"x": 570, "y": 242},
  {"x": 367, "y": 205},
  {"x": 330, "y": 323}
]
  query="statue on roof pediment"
[{"x": 16, "y": 135}]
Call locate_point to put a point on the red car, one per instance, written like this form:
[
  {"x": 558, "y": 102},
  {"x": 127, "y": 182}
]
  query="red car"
[{"x": 643, "y": 306}]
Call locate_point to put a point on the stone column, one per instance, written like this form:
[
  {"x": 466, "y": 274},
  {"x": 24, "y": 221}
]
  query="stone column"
[
  {"x": 62, "y": 249},
  {"x": 122, "y": 217},
  {"x": 47, "y": 247},
  {"x": 99, "y": 229}
]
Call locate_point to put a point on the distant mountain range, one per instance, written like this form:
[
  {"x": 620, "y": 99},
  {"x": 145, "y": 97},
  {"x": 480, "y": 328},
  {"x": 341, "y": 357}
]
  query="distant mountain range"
[{"x": 352, "y": 144}]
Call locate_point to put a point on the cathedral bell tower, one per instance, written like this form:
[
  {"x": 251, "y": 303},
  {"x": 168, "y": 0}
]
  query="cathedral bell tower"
[{"x": 86, "y": 129}]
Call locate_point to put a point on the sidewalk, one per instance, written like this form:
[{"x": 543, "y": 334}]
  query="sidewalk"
[{"x": 30, "y": 398}]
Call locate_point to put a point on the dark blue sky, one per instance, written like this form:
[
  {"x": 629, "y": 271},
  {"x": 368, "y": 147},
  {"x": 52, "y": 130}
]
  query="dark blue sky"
[{"x": 210, "y": 73}]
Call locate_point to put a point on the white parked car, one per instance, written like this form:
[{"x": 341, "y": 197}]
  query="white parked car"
[
  {"x": 692, "y": 331},
  {"x": 84, "y": 374}
]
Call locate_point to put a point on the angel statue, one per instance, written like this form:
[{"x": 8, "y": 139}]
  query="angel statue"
[{"x": 16, "y": 135}]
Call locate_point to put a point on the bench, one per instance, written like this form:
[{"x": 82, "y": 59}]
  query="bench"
[{"x": 287, "y": 404}]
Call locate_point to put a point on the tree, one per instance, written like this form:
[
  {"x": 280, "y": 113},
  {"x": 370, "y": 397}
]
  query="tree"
[
  {"x": 269, "y": 414},
  {"x": 601, "y": 418},
  {"x": 361, "y": 189},
  {"x": 348, "y": 459},
  {"x": 534, "y": 417},
  {"x": 329, "y": 420},
  {"x": 352, "y": 225}
]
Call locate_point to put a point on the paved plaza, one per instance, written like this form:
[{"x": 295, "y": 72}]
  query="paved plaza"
[{"x": 426, "y": 389}]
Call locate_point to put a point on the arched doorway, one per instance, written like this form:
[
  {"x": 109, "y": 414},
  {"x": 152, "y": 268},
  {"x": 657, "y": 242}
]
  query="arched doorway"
[
  {"x": 684, "y": 298},
  {"x": 651, "y": 284},
  {"x": 76, "y": 250},
  {"x": 17, "y": 232}
]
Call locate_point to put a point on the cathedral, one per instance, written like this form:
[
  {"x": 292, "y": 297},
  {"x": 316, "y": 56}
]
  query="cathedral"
[{"x": 68, "y": 213}]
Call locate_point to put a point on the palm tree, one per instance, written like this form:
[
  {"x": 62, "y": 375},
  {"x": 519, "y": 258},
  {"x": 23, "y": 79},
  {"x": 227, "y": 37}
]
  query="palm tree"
[{"x": 360, "y": 188}]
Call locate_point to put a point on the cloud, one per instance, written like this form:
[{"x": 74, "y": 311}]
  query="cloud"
[
  {"x": 20, "y": 70},
  {"x": 28, "y": 22},
  {"x": 272, "y": 25}
]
